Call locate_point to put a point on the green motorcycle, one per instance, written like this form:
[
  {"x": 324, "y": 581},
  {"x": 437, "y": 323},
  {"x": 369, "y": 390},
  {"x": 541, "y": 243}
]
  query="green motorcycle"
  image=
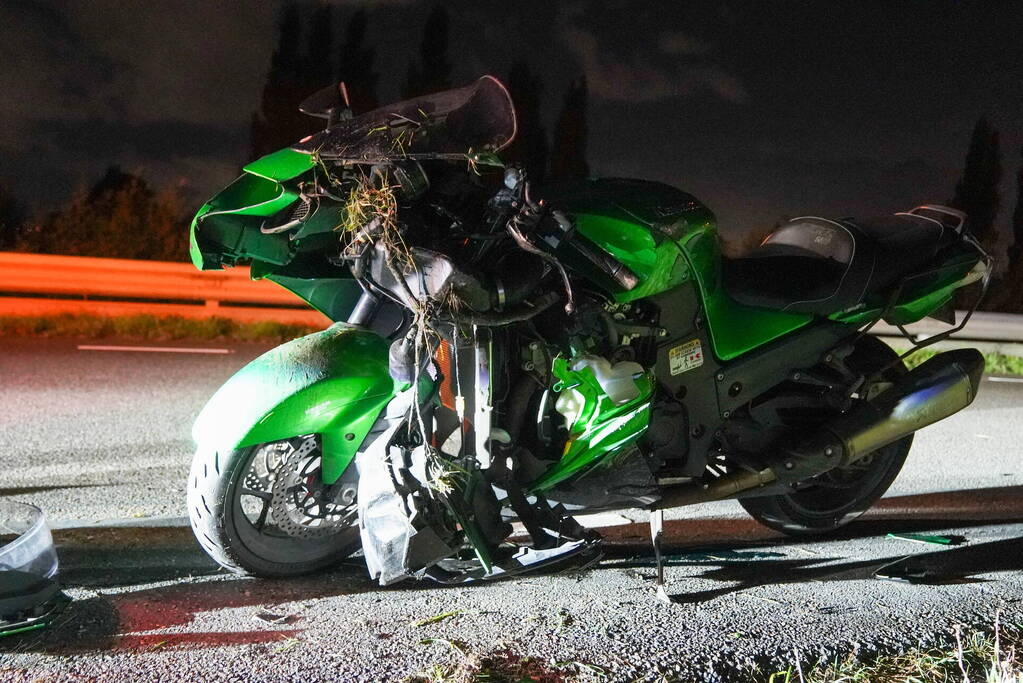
[{"x": 509, "y": 353}]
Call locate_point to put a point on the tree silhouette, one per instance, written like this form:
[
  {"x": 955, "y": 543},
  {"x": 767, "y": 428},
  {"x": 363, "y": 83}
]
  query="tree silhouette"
[
  {"x": 977, "y": 191},
  {"x": 1007, "y": 293},
  {"x": 432, "y": 70},
  {"x": 319, "y": 60},
  {"x": 119, "y": 217},
  {"x": 355, "y": 64},
  {"x": 1016, "y": 250},
  {"x": 568, "y": 156},
  {"x": 11, "y": 218},
  {"x": 278, "y": 123},
  {"x": 530, "y": 148}
]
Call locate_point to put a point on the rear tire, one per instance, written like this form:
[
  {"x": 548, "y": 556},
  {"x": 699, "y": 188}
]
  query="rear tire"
[
  {"x": 835, "y": 498},
  {"x": 229, "y": 525}
]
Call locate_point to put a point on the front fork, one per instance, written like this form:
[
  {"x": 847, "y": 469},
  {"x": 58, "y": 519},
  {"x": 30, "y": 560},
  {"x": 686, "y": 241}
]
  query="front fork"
[{"x": 431, "y": 490}]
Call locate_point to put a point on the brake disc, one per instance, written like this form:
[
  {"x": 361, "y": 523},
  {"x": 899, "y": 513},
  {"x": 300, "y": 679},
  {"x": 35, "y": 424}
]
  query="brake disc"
[{"x": 299, "y": 505}]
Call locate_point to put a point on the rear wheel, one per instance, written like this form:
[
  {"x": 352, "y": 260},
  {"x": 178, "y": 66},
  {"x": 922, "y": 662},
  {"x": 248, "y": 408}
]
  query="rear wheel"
[
  {"x": 835, "y": 498},
  {"x": 263, "y": 510}
]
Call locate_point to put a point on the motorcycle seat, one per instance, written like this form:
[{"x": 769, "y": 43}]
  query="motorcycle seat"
[{"x": 821, "y": 266}]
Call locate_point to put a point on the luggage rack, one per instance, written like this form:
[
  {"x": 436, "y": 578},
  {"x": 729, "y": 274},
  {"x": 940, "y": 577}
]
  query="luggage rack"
[{"x": 982, "y": 271}]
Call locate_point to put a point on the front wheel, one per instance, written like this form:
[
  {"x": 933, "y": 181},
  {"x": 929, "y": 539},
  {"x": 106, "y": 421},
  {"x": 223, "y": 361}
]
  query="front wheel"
[
  {"x": 264, "y": 510},
  {"x": 835, "y": 498}
]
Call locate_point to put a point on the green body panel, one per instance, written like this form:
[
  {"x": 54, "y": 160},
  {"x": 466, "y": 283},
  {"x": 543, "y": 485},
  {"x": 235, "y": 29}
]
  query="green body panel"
[
  {"x": 284, "y": 164},
  {"x": 229, "y": 224},
  {"x": 333, "y": 297},
  {"x": 602, "y": 429},
  {"x": 668, "y": 238},
  {"x": 922, "y": 294},
  {"x": 734, "y": 328},
  {"x": 659, "y": 266},
  {"x": 333, "y": 383}
]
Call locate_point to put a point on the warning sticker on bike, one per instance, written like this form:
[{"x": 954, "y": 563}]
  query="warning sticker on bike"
[{"x": 685, "y": 357}]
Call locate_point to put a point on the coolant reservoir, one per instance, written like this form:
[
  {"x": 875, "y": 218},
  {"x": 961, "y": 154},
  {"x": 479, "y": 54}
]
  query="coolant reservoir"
[{"x": 618, "y": 381}]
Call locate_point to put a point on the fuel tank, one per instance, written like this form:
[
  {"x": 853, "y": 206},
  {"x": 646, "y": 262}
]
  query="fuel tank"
[
  {"x": 640, "y": 222},
  {"x": 667, "y": 238}
]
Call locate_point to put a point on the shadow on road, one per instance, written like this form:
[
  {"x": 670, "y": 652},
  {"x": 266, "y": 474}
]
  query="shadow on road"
[
  {"x": 133, "y": 620},
  {"x": 737, "y": 549},
  {"x": 920, "y": 512},
  {"x": 110, "y": 561},
  {"x": 24, "y": 490},
  {"x": 951, "y": 566}
]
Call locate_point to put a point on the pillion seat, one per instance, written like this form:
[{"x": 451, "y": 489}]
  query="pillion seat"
[{"x": 820, "y": 266}]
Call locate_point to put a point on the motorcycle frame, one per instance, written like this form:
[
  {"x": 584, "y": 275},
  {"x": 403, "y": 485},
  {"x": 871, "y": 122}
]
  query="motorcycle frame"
[{"x": 335, "y": 383}]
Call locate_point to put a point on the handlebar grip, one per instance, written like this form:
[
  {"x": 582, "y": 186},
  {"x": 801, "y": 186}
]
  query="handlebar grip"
[{"x": 607, "y": 263}]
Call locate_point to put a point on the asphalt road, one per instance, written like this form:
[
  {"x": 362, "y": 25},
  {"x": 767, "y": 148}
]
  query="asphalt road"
[{"x": 100, "y": 440}]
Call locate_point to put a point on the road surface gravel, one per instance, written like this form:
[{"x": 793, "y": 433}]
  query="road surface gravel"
[{"x": 100, "y": 440}]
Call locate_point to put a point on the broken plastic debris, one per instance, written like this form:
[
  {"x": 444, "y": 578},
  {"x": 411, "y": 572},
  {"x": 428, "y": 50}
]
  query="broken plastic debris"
[
  {"x": 30, "y": 597},
  {"x": 938, "y": 539}
]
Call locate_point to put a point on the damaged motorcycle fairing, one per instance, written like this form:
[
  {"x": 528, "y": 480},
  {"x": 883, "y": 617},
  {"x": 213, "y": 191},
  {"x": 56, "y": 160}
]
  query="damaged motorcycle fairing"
[
  {"x": 333, "y": 383},
  {"x": 646, "y": 385},
  {"x": 452, "y": 124},
  {"x": 425, "y": 511}
]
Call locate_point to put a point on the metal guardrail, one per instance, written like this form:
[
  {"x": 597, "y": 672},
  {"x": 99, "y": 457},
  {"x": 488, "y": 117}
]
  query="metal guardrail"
[{"x": 38, "y": 284}]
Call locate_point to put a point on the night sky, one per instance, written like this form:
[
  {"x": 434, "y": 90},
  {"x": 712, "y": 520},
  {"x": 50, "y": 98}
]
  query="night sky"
[{"x": 762, "y": 110}]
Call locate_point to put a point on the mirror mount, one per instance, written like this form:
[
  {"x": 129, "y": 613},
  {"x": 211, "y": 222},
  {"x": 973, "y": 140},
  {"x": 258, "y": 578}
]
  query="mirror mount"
[{"x": 331, "y": 103}]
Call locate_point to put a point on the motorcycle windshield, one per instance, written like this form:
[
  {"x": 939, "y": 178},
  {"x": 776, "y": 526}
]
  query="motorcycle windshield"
[{"x": 453, "y": 124}]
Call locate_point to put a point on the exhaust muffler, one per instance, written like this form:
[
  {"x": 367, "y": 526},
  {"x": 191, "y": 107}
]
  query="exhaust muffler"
[{"x": 936, "y": 389}]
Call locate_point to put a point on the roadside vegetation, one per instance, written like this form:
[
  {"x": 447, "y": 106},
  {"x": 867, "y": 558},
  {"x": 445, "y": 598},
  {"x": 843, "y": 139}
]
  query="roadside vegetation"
[
  {"x": 991, "y": 656},
  {"x": 156, "y": 328},
  {"x": 994, "y": 656},
  {"x": 148, "y": 328},
  {"x": 994, "y": 363}
]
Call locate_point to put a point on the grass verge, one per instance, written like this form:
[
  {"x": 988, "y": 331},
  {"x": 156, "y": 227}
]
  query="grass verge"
[
  {"x": 151, "y": 327},
  {"x": 503, "y": 665},
  {"x": 148, "y": 327},
  {"x": 994, "y": 363},
  {"x": 981, "y": 656}
]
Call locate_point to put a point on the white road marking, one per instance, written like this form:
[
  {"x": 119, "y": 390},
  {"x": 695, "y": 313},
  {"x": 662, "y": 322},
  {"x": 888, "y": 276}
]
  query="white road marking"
[
  {"x": 151, "y": 349},
  {"x": 1018, "y": 380}
]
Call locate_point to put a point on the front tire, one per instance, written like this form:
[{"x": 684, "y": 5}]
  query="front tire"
[
  {"x": 835, "y": 498},
  {"x": 262, "y": 510}
]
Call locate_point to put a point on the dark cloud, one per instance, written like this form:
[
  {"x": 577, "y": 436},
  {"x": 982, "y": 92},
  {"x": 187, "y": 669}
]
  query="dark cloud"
[
  {"x": 761, "y": 110},
  {"x": 650, "y": 77},
  {"x": 47, "y": 68},
  {"x": 168, "y": 140}
]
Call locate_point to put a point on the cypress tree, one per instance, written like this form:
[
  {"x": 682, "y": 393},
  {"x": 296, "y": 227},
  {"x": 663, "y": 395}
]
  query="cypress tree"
[
  {"x": 977, "y": 190},
  {"x": 1016, "y": 250},
  {"x": 11, "y": 218},
  {"x": 431, "y": 72},
  {"x": 278, "y": 123},
  {"x": 530, "y": 148},
  {"x": 355, "y": 64},
  {"x": 319, "y": 70},
  {"x": 568, "y": 158}
]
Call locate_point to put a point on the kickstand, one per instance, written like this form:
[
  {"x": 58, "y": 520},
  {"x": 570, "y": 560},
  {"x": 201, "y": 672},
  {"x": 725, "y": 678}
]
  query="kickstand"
[{"x": 656, "y": 526}]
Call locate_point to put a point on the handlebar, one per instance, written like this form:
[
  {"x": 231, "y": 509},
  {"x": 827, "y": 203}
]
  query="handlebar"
[{"x": 605, "y": 262}]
